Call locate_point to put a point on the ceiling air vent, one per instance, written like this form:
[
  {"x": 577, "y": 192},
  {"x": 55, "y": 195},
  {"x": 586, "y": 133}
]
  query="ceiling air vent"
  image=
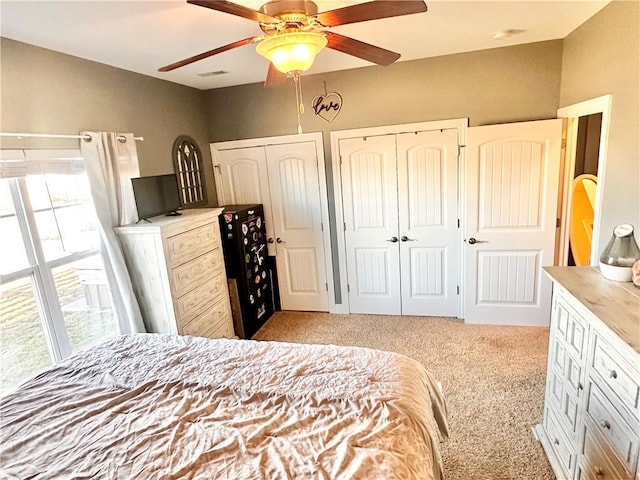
[{"x": 213, "y": 74}]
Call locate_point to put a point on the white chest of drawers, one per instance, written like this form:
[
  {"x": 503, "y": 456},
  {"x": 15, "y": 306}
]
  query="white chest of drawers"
[
  {"x": 591, "y": 421},
  {"x": 177, "y": 270}
]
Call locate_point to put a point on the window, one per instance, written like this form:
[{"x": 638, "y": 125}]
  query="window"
[{"x": 54, "y": 296}]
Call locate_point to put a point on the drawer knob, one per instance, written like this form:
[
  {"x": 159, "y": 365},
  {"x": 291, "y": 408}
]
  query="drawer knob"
[
  {"x": 599, "y": 472},
  {"x": 613, "y": 374},
  {"x": 605, "y": 424},
  {"x": 580, "y": 386},
  {"x": 556, "y": 442}
]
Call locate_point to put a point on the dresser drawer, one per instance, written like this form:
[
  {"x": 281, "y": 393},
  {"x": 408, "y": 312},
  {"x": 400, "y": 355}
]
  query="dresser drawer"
[
  {"x": 612, "y": 427},
  {"x": 565, "y": 379},
  {"x": 576, "y": 335},
  {"x": 214, "y": 323},
  {"x": 598, "y": 462},
  {"x": 555, "y": 389},
  {"x": 560, "y": 445},
  {"x": 619, "y": 375},
  {"x": 198, "y": 300},
  {"x": 191, "y": 244},
  {"x": 558, "y": 354},
  {"x": 187, "y": 276},
  {"x": 571, "y": 326},
  {"x": 224, "y": 326}
]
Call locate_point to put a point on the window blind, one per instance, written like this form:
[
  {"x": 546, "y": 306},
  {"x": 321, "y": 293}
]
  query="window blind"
[{"x": 20, "y": 163}]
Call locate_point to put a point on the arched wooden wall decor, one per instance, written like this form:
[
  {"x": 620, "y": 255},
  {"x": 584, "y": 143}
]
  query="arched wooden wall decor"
[{"x": 187, "y": 161}]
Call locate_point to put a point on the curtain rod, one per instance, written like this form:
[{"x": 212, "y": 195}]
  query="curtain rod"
[{"x": 51, "y": 135}]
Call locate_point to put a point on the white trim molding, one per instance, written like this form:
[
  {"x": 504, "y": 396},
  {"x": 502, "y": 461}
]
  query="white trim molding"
[{"x": 573, "y": 112}]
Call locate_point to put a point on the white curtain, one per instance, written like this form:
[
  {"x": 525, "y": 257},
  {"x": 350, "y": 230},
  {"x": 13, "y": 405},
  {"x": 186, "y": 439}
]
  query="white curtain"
[{"x": 110, "y": 164}]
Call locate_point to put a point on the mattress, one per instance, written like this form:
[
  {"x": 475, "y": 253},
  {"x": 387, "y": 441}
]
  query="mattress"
[{"x": 150, "y": 406}]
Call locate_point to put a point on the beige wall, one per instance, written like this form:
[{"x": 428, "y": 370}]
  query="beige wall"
[
  {"x": 602, "y": 57},
  {"x": 489, "y": 86},
  {"x": 49, "y": 92},
  {"x": 500, "y": 85}
]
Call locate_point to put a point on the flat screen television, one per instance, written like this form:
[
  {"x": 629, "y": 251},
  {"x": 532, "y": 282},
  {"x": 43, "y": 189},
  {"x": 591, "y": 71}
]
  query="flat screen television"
[{"x": 156, "y": 195}]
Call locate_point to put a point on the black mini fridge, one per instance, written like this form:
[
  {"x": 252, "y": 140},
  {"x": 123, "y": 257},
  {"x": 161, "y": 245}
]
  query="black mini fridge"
[{"x": 251, "y": 280}]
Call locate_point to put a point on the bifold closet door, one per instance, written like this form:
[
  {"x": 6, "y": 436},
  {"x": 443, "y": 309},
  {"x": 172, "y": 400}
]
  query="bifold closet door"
[
  {"x": 284, "y": 178},
  {"x": 370, "y": 204},
  {"x": 400, "y": 197},
  {"x": 428, "y": 222},
  {"x": 297, "y": 223},
  {"x": 242, "y": 179}
]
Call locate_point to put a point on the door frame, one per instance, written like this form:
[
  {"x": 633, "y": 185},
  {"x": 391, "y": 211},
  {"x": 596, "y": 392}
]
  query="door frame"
[
  {"x": 572, "y": 113},
  {"x": 317, "y": 138},
  {"x": 460, "y": 124}
]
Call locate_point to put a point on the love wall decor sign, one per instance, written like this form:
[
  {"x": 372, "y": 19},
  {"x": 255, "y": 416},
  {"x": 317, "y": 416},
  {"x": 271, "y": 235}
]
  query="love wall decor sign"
[{"x": 327, "y": 106}]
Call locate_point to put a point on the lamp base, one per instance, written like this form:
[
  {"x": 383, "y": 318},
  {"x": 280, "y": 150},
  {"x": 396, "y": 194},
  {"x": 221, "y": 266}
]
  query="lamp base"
[{"x": 617, "y": 274}]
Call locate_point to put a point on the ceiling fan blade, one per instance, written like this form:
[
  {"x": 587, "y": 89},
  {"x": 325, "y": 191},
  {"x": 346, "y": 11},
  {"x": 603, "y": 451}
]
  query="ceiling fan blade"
[
  {"x": 210, "y": 53},
  {"x": 274, "y": 77},
  {"x": 359, "y": 49},
  {"x": 235, "y": 9},
  {"x": 374, "y": 10}
]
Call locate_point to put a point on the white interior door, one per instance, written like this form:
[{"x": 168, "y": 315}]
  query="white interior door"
[
  {"x": 428, "y": 222},
  {"x": 512, "y": 192},
  {"x": 370, "y": 206},
  {"x": 241, "y": 178},
  {"x": 297, "y": 223}
]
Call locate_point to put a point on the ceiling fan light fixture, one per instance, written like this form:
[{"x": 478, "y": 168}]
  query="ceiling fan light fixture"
[{"x": 293, "y": 51}]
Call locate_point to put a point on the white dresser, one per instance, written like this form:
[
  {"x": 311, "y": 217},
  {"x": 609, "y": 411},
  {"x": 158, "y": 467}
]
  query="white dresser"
[
  {"x": 177, "y": 269},
  {"x": 591, "y": 421}
]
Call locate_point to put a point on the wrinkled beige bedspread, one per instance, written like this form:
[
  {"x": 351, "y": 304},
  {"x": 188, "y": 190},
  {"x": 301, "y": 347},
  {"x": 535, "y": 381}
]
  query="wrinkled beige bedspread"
[{"x": 161, "y": 407}]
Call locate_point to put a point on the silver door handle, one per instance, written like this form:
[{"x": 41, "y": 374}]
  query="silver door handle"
[
  {"x": 404, "y": 238},
  {"x": 473, "y": 241},
  {"x": 392, "y": 240}
]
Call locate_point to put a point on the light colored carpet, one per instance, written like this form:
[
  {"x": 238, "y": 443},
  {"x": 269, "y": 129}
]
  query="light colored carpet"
[{"x": 493, "y": 379}]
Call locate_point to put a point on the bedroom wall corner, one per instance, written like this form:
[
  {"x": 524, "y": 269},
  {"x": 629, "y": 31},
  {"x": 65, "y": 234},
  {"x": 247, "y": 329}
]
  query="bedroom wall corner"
[
  {"x": 49, "y": 92},
  {"x": 499, "y": 85},
  {"x": 599, "y": 58}
]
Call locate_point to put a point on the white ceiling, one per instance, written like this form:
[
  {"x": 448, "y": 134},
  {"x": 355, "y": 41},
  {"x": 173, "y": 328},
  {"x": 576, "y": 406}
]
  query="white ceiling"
[{"x": 144, "y": 35}]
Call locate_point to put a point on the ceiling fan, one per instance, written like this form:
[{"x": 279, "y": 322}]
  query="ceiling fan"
[{"x": 294, "y": 32}]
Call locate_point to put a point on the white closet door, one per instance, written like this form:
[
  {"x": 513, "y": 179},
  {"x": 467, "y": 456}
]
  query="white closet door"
[
  {"x": 297, "y": 222},
  {"x": 428, "y": 222},
  {"x": 370, "y": 205},
  {"x": 241, "y": 178},
  {"x": 512, "y": 194}
]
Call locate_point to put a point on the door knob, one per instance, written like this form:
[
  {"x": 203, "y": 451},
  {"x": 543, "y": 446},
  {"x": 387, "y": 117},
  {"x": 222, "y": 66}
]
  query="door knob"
[
  {"x": 473, "y": 241},
  {"x": 278, "y": 240},
  {"x": 270, "y": 240},
  {"x": 392, "y": 239},
  {"x": 404, "y": 238}
]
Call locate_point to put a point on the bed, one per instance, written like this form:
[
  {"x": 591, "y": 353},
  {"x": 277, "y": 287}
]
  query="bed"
[{"x": 151, "y": 406}]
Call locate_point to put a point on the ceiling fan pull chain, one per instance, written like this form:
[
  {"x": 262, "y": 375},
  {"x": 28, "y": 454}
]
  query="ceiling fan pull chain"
[{"x": 300, "y": 104}]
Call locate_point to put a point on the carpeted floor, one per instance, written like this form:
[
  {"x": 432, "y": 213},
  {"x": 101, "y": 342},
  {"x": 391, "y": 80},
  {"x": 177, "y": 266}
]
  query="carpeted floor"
[{"x": 493, "y": 380}]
